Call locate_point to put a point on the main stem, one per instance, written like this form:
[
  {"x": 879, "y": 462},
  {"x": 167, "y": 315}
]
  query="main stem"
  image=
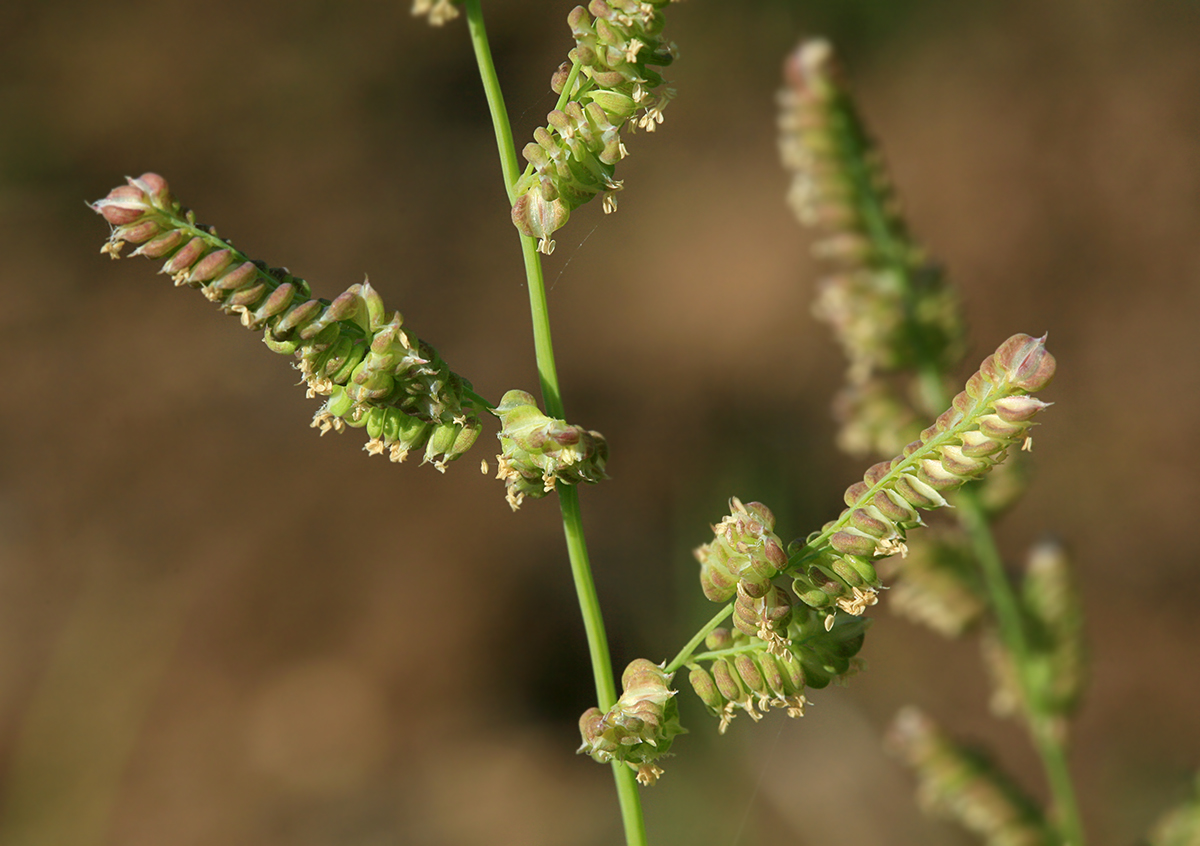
[{"x": 568, "y": 497}]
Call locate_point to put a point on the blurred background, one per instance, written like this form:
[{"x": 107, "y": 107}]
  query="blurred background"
[{"x": 218, "y": 628}]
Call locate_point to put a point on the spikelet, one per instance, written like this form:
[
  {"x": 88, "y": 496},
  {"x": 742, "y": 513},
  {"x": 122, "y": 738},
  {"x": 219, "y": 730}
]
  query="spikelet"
[
  {"x": 746, "y": 674},
  {"x": 745, "y": 551},
  {"x": 639, "y": 728},
  {"x": 539, "y": 452}
]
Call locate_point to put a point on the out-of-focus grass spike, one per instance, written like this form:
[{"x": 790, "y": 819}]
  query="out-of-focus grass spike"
[
  {"x": 965, "y": 786},
  {"x": 897, "y": 321},
  {"x": 1180, "y": 826}
]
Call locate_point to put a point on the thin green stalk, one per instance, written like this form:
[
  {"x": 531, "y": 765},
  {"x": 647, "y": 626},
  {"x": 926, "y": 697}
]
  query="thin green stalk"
[
  {"x": 568, "y": 497},
  {"x": 495, "y": 97},
  {"x": 698, "y": 638}
]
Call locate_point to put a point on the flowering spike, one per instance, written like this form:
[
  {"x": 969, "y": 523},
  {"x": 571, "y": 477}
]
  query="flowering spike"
[
  {"x": 348, "y": 349},
  {"x": 618, "y": 50},
  {"x": 1057, "y": 648},
  {"x": 886, "y": 302},
  {"x": 1051, "y": 600},
  {"x": 963, "y": 444}
]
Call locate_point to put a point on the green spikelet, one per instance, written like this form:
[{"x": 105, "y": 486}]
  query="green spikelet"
[
  {"x": 747, "y": 674},
  {"x": 539, "y": 452},
  {"x": 745, "y": 551},
  {"x": 639, "y": 728},
  {"x": 350, "y": 350}
]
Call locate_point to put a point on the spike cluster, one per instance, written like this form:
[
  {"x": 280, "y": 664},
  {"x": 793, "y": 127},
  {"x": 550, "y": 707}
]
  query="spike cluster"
[
  {"x": 538, "y": 452},
  {"x": 745, "y": 553},
  {"x": 745, "y": 674},
  {"x": 640, "y": 727},
  {"x": 350, "y": 350},
  {"x": 965, "y": 786},
  {"x": 995, "y": 412},
  {"x": 886, "y": 303},
  {"x": 618, "y": 49}
]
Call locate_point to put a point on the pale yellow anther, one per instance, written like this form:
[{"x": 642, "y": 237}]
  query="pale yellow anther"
[
  {"x": 727, "y": 715},
  {"x": 858, "y": 603},
  {"x": 796, "y": 705}
]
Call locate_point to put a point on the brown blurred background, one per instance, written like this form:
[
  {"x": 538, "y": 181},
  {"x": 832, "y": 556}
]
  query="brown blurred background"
[{"x": 217, "y": 628}]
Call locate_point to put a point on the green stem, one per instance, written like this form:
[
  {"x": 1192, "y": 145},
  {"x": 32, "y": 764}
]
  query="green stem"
[
  {"x": 543, "y": 345},
  {"x": 495, "y": 97},
  {"x": 568, "y": 497},
  {"x": 697, "y": 639}
]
